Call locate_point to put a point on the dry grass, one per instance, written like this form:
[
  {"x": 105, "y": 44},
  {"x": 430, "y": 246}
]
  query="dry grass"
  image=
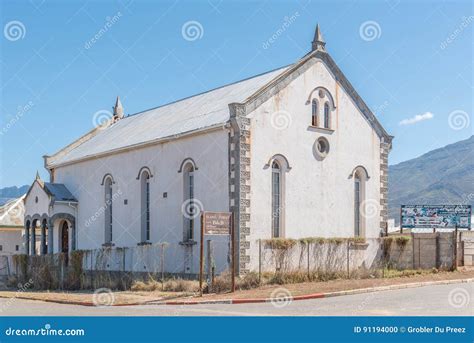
[
  {"x": 265, "y": 291},
  {"x": 172, "y": 285}
]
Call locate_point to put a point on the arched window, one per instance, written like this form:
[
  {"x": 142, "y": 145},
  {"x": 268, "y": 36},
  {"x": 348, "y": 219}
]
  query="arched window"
[
  {"x": 326, "y": 116},
  {"x": 357, "y": 204},
  {"x": 276, "y": 199},
  {"x": 108, "y": 209},
  {"x": 314, "y": 112},
  {"x": 145, "y": 205},
  {"x": 189, "y": 205}
]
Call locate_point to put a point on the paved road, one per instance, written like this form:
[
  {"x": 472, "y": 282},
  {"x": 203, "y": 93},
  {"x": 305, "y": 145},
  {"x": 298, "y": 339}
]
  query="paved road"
[{"x": 446, "y": 300}]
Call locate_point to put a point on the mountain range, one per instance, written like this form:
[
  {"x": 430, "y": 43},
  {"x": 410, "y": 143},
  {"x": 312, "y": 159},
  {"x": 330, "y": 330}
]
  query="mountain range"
[
  {"x": 8, "y": 193},
  {"x": 440, "y": 177}
]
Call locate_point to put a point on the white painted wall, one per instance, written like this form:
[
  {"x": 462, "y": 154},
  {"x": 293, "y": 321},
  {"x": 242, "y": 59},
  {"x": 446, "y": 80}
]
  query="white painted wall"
[
  {"x": 210, "y": 153},
  {"x": 41, "y": 206},
  {"x": 9, "y": 239},
  {"x": 319, "y": 195}
]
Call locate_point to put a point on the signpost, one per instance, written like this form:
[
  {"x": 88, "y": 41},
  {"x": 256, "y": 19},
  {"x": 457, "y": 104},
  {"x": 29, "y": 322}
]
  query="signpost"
[
  {"x": 435, "y": 217},
  {"x": 221, "y": 224}
]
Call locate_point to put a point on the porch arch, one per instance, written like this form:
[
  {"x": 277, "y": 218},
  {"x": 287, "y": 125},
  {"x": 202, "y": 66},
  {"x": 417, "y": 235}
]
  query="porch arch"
[{"x": 71, "y": 226}]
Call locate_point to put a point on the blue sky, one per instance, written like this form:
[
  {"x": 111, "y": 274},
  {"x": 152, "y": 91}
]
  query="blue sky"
[{"x": 405, "y": 58}]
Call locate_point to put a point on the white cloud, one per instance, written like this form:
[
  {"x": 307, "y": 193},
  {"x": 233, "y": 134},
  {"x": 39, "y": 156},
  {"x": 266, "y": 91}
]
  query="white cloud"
[{"x": 417, "y": 118}]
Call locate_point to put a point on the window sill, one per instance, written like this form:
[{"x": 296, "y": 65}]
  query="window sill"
[
  {"x": 144, "y": 243},
  {"x": 189, "y": 242},
  {"x": 320, "y": 129}
]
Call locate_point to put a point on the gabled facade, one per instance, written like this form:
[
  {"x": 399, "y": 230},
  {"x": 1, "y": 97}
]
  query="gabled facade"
[
  {"x": 50, "y": 212},
  {"x": 292, "y": 153}
]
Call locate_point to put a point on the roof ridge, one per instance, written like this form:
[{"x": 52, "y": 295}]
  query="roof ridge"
[{"x": 208, "y": 91}]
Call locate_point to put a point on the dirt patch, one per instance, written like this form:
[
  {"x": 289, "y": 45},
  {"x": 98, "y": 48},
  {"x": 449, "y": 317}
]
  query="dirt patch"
[
  {"x": 340, "y": 285},
  {"x": 103, "y": 298}
]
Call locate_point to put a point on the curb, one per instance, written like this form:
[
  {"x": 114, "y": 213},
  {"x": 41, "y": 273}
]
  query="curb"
[{"x": 315, "y": 295}]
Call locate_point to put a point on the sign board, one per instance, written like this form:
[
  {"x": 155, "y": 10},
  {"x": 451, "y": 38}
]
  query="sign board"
[
  {"x": 216, "y": 223},
  {"x": 434, "y": 217}
]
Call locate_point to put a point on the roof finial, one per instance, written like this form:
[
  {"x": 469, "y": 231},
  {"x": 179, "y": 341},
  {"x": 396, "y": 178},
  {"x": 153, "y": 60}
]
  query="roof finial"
[
  {"x": 38, "y": 175},
  {"x": 118, "y": 109},
  {"x": 318, "y": 42}
]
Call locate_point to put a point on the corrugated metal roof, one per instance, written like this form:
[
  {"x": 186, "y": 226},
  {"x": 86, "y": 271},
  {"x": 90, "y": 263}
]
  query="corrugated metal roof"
[
  {"x": 196, "y": 112},
  {"x": 59, "y": 191}
]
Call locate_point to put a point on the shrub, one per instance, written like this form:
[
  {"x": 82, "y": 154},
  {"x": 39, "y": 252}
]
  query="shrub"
[
  {"x": 334, "y": 240},
  {"x": 223, "y": 282},
  {"x": 180, "y": 285},
  {"x": 172, "y": 285},
  {"x": 249, "y": 281},
  {"x": 21, "y": 261},
  {"x": 148, "y": 286},
  {"x": 288, "y": 277},
  {"x": 280, "y": 243},
  {"x": 402, "y": 240}
]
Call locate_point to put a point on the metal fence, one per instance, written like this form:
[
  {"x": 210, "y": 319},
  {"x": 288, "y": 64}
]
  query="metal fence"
[
  {"x": 314, "y": 259},
  {"x": 120, "y": 267}
]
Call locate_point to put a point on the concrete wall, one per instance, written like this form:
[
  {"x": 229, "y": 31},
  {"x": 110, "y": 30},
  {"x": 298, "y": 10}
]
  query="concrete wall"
[
  {"x": 467, "y": 246},
  {"x": 210, "y": 153},
  {"x": 425, "y": 251},
  {"x": 319, "y": 195}
]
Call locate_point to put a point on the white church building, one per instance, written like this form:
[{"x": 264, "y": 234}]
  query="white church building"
[{"x": 293, "y": 153}]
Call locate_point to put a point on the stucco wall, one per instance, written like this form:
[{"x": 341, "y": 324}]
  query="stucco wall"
[
  {"x": 31, "y": 206},
  {"x": 9, "y": 239},
  {"x": 210, "y": 153},
  {"x": 319, "y": 196}
]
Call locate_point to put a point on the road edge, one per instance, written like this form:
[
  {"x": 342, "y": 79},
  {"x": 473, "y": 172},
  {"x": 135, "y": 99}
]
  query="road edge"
[{"x": 314, "y": 295}]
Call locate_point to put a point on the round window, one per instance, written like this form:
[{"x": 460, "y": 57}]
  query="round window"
[{"x": 321, "y": 147}]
